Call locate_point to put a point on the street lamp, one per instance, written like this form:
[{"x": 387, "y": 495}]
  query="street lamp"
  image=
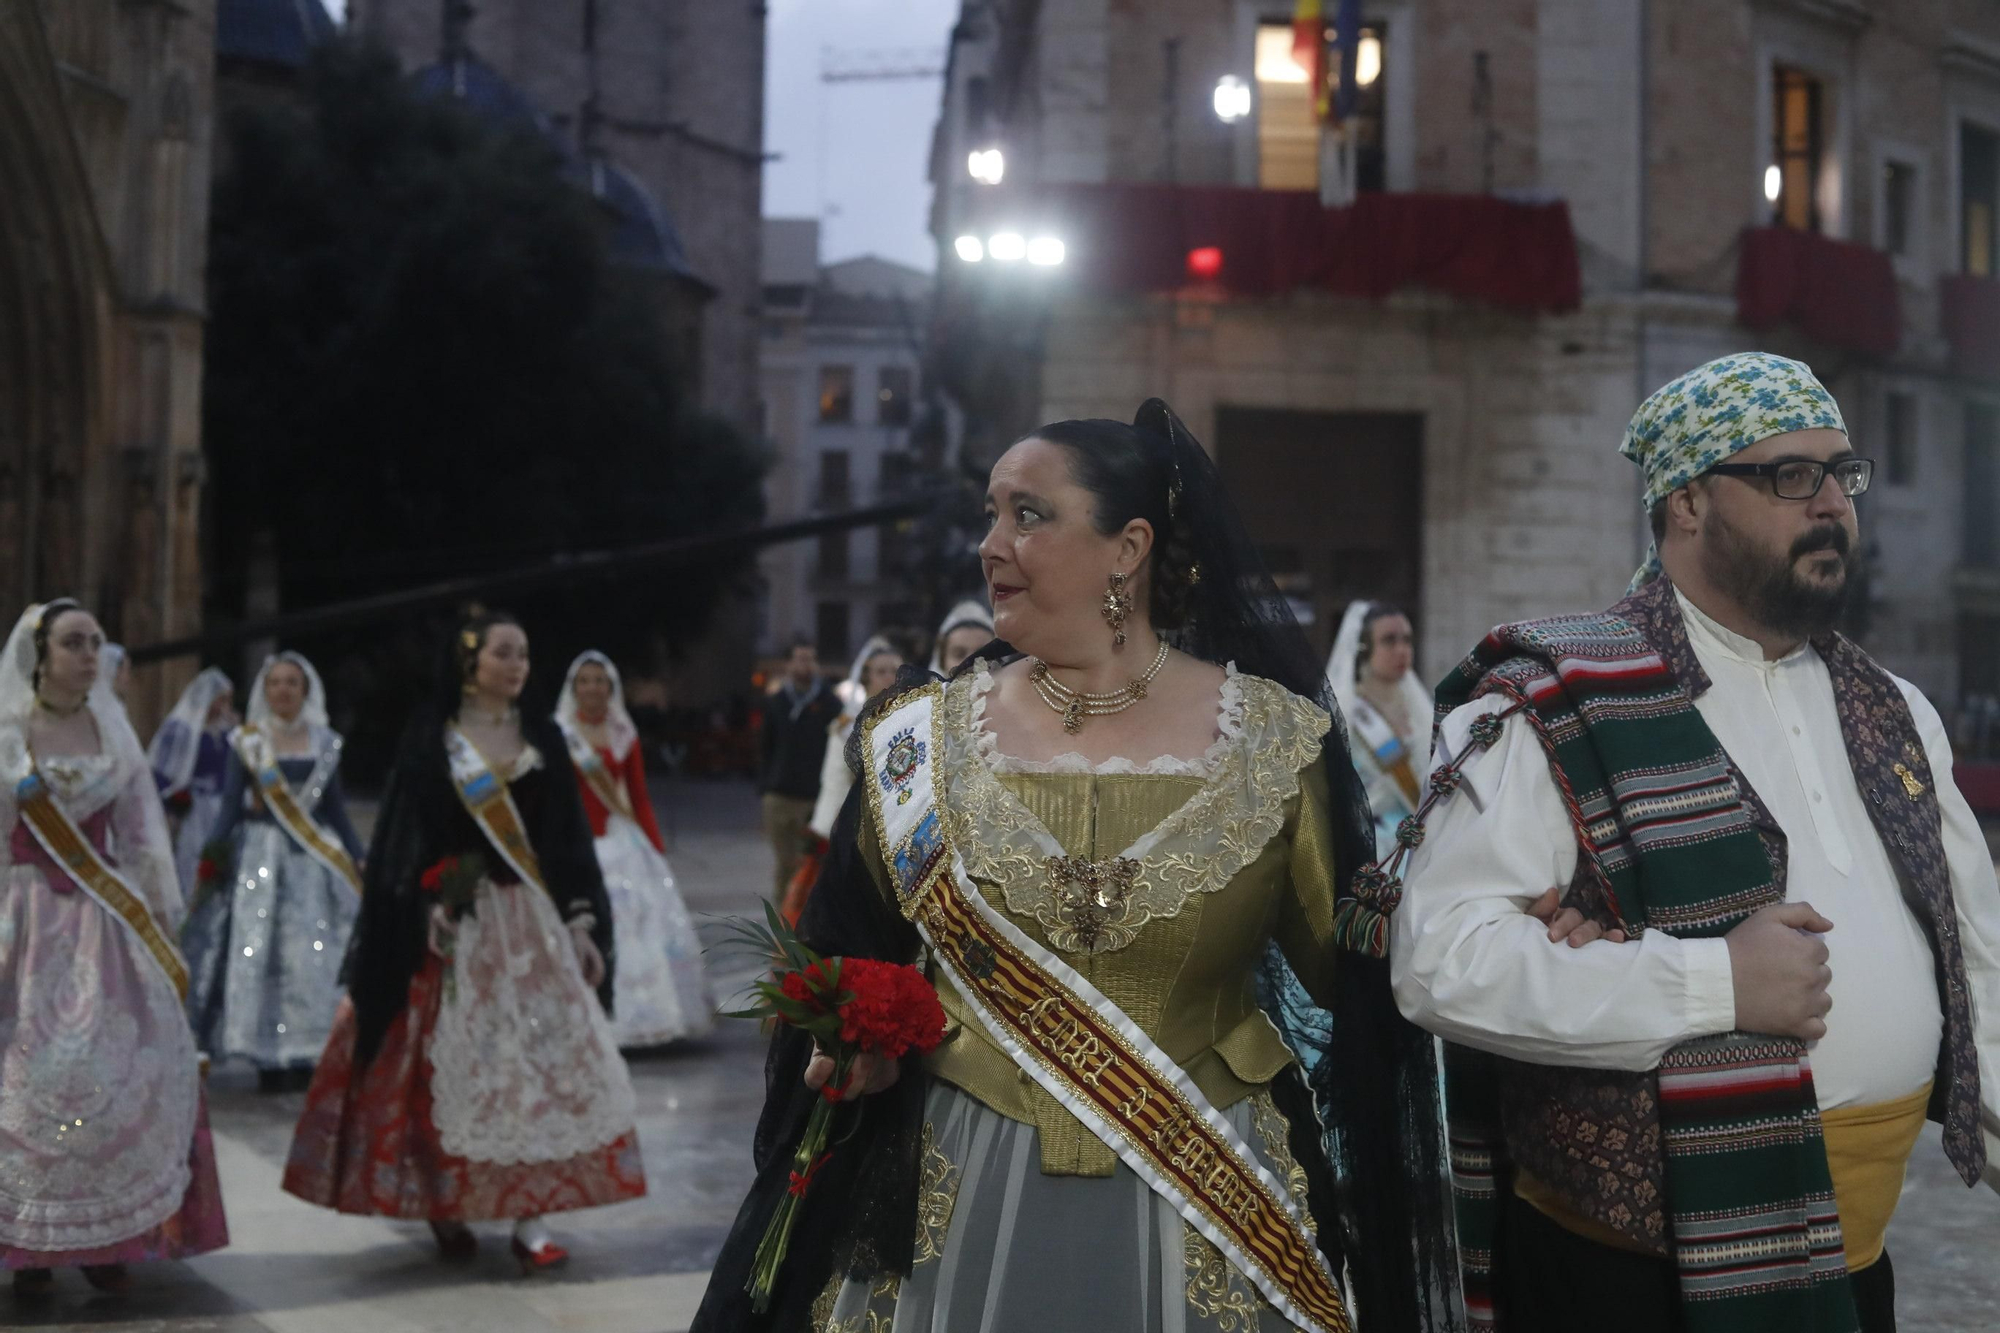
[
  {"x": 1007, "y": 246},
  {"x": 1232, "y": 99},
  {"x": 969, "y": 249},
  {"x": 986, "y": 165}
]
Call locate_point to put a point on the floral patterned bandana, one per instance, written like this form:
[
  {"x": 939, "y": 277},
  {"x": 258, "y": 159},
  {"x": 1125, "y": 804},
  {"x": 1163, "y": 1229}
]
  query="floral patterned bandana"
[{"x": 1714, "y": 411}]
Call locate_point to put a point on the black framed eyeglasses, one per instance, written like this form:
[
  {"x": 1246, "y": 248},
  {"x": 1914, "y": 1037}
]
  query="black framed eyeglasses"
[{"x": 1801, "y": 478}]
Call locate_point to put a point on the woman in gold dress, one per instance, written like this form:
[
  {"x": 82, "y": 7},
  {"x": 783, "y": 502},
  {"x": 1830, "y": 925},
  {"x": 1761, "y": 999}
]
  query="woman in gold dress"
[{"x": 1092, "y": 836}]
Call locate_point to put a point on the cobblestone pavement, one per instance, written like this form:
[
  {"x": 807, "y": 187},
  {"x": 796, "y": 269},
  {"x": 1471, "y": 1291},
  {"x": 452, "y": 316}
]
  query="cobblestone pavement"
[{"x": 640, "y": 1267}]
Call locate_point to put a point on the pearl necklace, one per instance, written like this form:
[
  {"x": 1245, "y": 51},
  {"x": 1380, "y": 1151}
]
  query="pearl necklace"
[{"x": 1075, "y": 705}]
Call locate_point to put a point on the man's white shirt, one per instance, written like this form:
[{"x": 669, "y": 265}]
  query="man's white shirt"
[{"x": 1471, "y": 966}]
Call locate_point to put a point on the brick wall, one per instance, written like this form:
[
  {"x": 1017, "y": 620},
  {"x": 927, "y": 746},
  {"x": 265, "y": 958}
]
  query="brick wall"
[
  {"x": 1452, "y": 136},
  {"x": 1703, "y": 161},
  {"x": 1528, "y": 508}
]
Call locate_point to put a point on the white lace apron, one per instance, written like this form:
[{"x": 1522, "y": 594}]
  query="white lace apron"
[
  {"x": 99, "y": 1088},
  {"x": 524, "y": 1066}
]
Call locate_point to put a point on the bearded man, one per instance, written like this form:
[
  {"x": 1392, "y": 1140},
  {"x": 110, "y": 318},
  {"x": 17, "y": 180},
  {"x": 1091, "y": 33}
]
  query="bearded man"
[{"x": 1687, "y": 1101}]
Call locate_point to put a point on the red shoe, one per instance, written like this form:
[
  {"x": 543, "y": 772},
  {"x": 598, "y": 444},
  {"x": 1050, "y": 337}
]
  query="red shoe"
[
  {"x": 34, "y": 1283},
  {"x": 540, "y": 1258},
  {"x": 456, "y": 1243},
  {"x": 108, "y": 1277}
]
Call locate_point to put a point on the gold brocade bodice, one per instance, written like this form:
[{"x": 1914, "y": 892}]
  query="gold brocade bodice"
[{"x": 1172, "y": 884}]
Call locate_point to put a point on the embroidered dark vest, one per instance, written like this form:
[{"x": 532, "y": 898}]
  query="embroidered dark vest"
[{"x": 1593, "y": 1136}]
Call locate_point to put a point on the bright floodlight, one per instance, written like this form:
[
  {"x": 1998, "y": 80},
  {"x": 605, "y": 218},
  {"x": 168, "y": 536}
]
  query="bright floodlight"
[
  {"x": 1046, "y": 251},
  {"x": 1006, "y": 246},
  {"x": 1232, "y": 99},
  {"x": 1774, "y": 182},
  {"x": 969, "y": 249},
  {"x": 986, "y": 165}
]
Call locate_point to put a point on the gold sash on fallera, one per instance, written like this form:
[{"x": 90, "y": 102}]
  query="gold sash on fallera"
[
  {"x": 491, "y": 805},
  {"x": 591, "y": 765},
  {"x": 64, "y": 842},
  {"x": 1391, "y": 755},
  {"x": 1071, "y": 1039},
  {"x": 253, "y": 747}
]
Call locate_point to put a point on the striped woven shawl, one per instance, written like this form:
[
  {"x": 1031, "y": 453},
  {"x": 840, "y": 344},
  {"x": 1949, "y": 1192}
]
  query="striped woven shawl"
[{"x": 1668, "y": 842}]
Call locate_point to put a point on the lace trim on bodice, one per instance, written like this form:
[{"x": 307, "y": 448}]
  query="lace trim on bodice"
[
  {"x": 1228, "y": 726},
  {"x": 83, "y": 784},
  {"x": 1270, "y": 735}
]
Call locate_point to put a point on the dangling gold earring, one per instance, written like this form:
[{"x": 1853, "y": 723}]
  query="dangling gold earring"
[{"x": 1117, "y": 606}]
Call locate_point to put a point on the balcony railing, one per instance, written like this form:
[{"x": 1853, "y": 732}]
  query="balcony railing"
[
  {"x": 1970, "y": 313},
  {"x": 1128, "y": 238},
  {"x": 1834, "y": 292}
]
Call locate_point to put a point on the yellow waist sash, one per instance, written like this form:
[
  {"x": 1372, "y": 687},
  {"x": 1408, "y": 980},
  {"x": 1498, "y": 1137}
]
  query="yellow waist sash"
[{"x": 1867, "y": 1149}]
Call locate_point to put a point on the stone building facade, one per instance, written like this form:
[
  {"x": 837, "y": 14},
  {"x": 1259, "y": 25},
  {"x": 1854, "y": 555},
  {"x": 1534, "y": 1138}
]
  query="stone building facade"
[
  {"x": 672, "y": 91},
  {"x": 841, "y": 384},
  {"x": 1458, "y": 454},
  {"x": 106, "y": 132}
]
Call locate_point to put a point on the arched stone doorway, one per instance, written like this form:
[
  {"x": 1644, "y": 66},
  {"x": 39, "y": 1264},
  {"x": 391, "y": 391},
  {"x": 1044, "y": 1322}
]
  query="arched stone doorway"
[{"x": 55, "y": 294}]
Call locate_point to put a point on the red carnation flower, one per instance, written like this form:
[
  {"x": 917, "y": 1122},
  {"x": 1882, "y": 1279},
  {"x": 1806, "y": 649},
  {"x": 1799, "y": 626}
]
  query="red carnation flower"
[{"x": 894, "y": 1010}]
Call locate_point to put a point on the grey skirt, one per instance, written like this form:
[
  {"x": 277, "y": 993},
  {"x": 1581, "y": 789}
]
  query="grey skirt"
[{"x": 1000, "y": 1247}]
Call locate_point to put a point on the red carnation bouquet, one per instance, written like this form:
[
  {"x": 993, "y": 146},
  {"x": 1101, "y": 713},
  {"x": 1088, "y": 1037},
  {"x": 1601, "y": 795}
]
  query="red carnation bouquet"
[
  {"x": 453, "y": 881},
  {"x": 212, "y": 867},
  {"x": 848, "y": 1005}
]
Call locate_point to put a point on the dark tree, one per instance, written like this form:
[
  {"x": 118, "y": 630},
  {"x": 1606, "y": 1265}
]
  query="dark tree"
[{"x": 421, "y": 366}]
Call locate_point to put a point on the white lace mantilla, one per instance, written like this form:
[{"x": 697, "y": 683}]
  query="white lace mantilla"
[
  {"x": 1248, "y": 777},
  {"x": 524, "y": 1067}
]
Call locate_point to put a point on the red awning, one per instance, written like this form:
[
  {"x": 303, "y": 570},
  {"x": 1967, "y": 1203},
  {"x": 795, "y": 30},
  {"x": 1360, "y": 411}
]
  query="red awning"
[
  {"x": 1835, "y": 292},
  {"x": 1136, "y": 238},
  {"x": 1970, "y": 312}
]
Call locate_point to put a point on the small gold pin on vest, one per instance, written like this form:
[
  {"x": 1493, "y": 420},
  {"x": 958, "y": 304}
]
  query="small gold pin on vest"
[{"x": 1911, "y": 786}]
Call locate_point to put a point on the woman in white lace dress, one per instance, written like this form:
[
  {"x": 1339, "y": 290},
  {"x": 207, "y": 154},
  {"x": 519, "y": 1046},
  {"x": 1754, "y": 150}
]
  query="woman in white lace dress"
[
  {"x": 472, "y": 1073},
  {"x": 1388, "y": 711},
  {"x": 105, "y": 1156},
  {"x": 662, "y": 985}
]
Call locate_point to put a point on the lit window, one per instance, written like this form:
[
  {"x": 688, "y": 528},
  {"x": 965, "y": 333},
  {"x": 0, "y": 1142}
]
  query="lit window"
[
  {"x": 1979, "y": 197},
  {"x": 1287, "y": 123},
  {"x": 1796, "y": 145},
  {"x": 1286, "y": 106},
  {"x": 836, "y": 393}
]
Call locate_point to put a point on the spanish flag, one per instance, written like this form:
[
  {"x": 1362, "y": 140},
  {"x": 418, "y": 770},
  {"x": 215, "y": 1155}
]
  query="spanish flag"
[{"x": 1309, "y": 49}]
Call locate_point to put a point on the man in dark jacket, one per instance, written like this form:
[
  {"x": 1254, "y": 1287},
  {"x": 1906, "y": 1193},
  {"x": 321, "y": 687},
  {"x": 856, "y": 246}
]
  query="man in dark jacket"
[{"x": 797, "y": 716}]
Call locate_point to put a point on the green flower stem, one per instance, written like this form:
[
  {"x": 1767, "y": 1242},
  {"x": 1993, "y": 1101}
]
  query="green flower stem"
[{"x": 778, "y": 1235}]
